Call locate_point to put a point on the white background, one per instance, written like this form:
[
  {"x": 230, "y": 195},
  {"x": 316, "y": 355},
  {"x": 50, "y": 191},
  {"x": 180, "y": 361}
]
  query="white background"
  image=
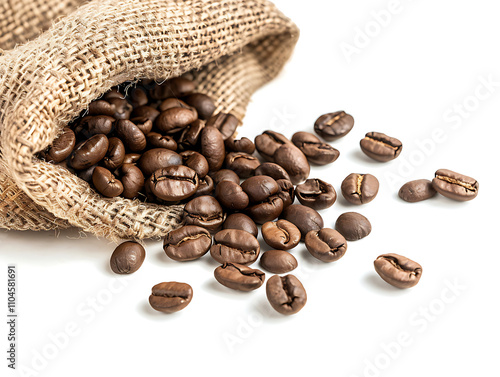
[{"x": 422, "y": 76}]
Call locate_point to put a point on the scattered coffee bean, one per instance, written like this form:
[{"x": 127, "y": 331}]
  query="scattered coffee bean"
[
  {"x": 239, "y": 277},
  {"x": 145, "y": 112},
  {"x": 127, "y": 258},
  {"x": 333, "y": 126},
  {"x": 225, "y": 123},
  {"x": 398, "y": 271},
  {"x": 225, "y": 175},
  {"x": 293, "y": 161},
  {"x": 175, "y": 119},
  {"x": 281, "y": 235},
  {"x": 101, "y": 107},
  {"x": 190, "y": 137},
  {"x": 157, "y": 158},
  {"x": 231, "y": 196},
  {"x": 244, "y": 145},
  {"x": 266, "y": 210},
  {"x": 132, "y": 180},
  {"x": 170, "y": 297},
  {"x": 195, "y": 161},
  {"x": 286, "y": 294},
  {"x": 157, "y": 140},
  {"x": 204, "y": 211},
  {"x": 235, "y": 246},
  {"x": 278, "y": 261},
  {"x": 454, "y": 185},
  {"x": 314, "y": 149},
  {"x": 187, "y": 243},
  {"x": 241, "y": 163},
  {"x": 89, "y": 152},
  {"x": 106, "y": 183},
  {"x": 272, "y": 170},
  {"x": 205, "y": 186},
  {"x": 327, "y": 245},
  {"x": 416, "y": 191},
  {"x": 93, "y": 125},
  {"x": 61, "y": 147},
  {"x": 268, "y": 143},
  {"x": 242, "y": 222},
  {"x": 203, "y": 104},
  {"x": 353, "y": 226},
  {"x": 304, "y": 218},
  {"x": 381, "y": 147},
  {"x": 173, "y": 183},
  {"x": 171, "y": 103},
  {"x": 131, "y": 135},
  {"x": 316, "y": 194},
  {"x": 212, "y": 147},
  {"x": 115, "y": 154},
  {"x": 144, "y": 124},
  {"x": 286, "y": 192},
  {"x": 259, "y": 188},
  {"x": 359, "y": 188}
]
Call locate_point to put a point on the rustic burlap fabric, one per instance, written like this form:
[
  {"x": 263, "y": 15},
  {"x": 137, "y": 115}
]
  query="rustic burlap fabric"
[{"x": 233, "y": 48}]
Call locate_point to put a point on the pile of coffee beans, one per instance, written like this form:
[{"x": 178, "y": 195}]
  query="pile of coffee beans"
[{"x": 165, "y": 143}]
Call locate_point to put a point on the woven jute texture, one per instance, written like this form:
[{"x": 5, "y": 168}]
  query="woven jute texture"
[{"x": 231, "y": 47}]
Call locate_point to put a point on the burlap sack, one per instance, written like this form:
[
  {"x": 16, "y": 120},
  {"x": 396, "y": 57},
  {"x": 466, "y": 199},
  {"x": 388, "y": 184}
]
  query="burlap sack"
[{"x": 232, "y": 47}]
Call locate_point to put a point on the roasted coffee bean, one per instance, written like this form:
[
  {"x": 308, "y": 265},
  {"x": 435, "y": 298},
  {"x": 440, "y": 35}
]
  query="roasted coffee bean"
[
  {"x": 175, "y": 119},
  {"x": 267, "y": 210},
  {"x": 212, "y": 147},
  {"x": 235, "y": 246},
  {"x": 61, "y": 147},
  {"x": 89, "y": 153},
  {"x": 259, "y": 188},
  {"x": 359, "y": 188},
  {"x": 225, "y": 175},
  {"x": 240, "y": 277},
  {"x": 205, "y": 186},
  {"x": 187, "y": 243},
  {"x": 138, "y": 97},
  {"x": 304, "y": 218},
  {"x": 231, "y": 196},
  {"x": 268, "y": 143},
  {"x": 133, "y": 138},
  {"x": 381, "y": 147},
  {"x": 86, "y": 174},
  {"x": 170, "y": 297},
  {"x": 316, "y": 194},
  {"x": 286, "y": 294},
  {"x": 132, "y": 180},
  {"x": 113, "y": 93},
  {"x": 106, "y": 183},
  {"x": 397, "y": 270},
  {"x": 170, "y": 103},
  {"x": 225, "y": 123},
  {"x": 278, "y": 261},
  {"x": 157, "y": 140},
  {"x": 175, "y": 87},
  {"x": 203, "y": 104},
  {"x": 293, "y": 161},
  {"x": 115, "y": 154},
  {"x": 326, "y": 244},
  {"x": 242, "y": 222},
  {"x": 190, "y": 136},
  {"x": 353, "y": 226},
  {"x": 416, "y": 191},
  {"x": 241, "y": 163},
  {"x": 101, "y": 107},
  {"x": 454, "y": 185},
  {"x": 157, "y": 158},
  {"x": 286, "y": 192},
  {"x": 281, "y": 234},
  {"x": 143, "y": 123},
  {"x": 93, "y": 125},
  {"x": 314, "y": 149},
  {"x": 204, "y": 211},
  {"x": 195, "y": 161},
  {"x": 333, "y": 126},
  {"x": 244, "y": 145},
  {"x": 123, "y": 108},
  {"x": 272, "y": 170},
  {"x": 127, "y": 258},
  {"x": 131, "y": 158},
  {"x": 145, "y": 112},
  {"x": 173, "y": 183}
]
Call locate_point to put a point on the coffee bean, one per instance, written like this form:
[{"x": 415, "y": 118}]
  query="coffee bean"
[
  {"x": 316, "y": 194},
  {"x": 242, "y": 222},
  {"x": 454, "y": 185},
  {"x": 175, "y": 119},
  {"x": 333, "y": 126},
  {"x": 89, "y": 153},
  {"x": 195, "y": 161},
  {"x": 293, "y": 161},
  {"x": 132, "y": 180},
  {"x": 173, "y": 183},
  {"x": 398, "y": 271},
  {"x": 115, "y": 154},
  {"x": 225, "y": 123},
  {"x": 170, "y": 297},
  {"x": 106, "y": 183},
  {"x": 157, "y": 158},
  {"x": 86, "y": 174},
  {"x": 235, "y": 246},
  {"x": 127, "y": 258},
  {"x": 175, "y": 87},
  {"x": 381, "y": 147},
  {"x": 278, "y": 261},
  {"x": 212, "y": 147},
  {"x": 225, "y": 175},
  {"x": 286, "y": 192},
  {"x": 204, "y": 211},
  {"x": 113, "y": 93},
  {"x": 272, "y": 170},
  {"x": 101, "y": 107},
  {"x": 170, "y": 103},
  {"x": 268, "y": 143},
  {"x": 416, "y": 191},
  {"x": 266, "y": 210},
  {"x": 239, "y": 277},
  {"x": 259, "y": 188},
  {"x": 326, "y": 244},
  {"x": 353, "y": 226},
  {"x": 187, "y": 243},
  {"x": 231, "y": 195},
  {"x": 203, "y": 104},
  {"x": 157, "y": 140},
  {"x": 359, "y": 188},
  {"x": 145, "y": 112},
  {"x": 286, "y": 294},
  {"x": 281, "y": 235},
  {"x": 190, "y": 136},
  {"x": 131, "y": 135},
  {"x": 314, "y": 149},
  {"x": 93, "y": 125},
  {"x": 131, "y": 158},
  {"x": 61, "y": 147},
  {"x": 304, "y": 218},
  {"x": 244, "y": 145},
  {"x": 138, "y": 97},
  {"x": 123, "y": 108},
  {"x": 143, "y": 123},
  {"x": 205, "y": 186},
  {"x": 241, "y": 163}
]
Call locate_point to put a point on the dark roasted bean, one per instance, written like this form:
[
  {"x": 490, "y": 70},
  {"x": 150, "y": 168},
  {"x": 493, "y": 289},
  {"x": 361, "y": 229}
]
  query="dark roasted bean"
[{"x": 398, "y": 271}]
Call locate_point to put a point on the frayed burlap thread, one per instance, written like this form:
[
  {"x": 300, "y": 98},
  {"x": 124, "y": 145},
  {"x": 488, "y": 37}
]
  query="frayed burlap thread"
[{"x": 232, "y": 47}]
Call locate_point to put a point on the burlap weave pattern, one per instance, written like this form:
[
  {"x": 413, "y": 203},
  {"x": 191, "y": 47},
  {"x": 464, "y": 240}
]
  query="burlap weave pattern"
[{"x": 234, "y": 47}]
